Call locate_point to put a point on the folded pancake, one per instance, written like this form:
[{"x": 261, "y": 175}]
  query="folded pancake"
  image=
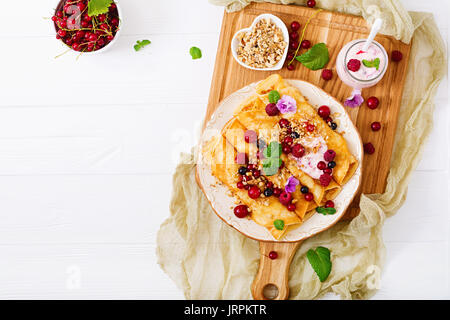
[{"x": 219, "y": 154}]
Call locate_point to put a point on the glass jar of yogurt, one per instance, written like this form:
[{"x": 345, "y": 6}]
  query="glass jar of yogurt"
[{"x": 365, "y": 77}]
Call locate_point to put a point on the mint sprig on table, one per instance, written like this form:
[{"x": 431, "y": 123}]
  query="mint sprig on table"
[
  {"x": 372, "y": 63},
  {"x": 141, "y": 44},
  {"x": 320, "y": 262},
  {"x": 195, "y": 53},
  {"x": 97, "y": 7},
  {"x": 315, "y": 58}
]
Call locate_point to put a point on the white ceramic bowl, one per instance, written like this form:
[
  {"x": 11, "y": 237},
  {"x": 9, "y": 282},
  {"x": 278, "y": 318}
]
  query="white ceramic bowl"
[
  {"x": 109, "y": 45},
  {"x": 280, "y": 24}
]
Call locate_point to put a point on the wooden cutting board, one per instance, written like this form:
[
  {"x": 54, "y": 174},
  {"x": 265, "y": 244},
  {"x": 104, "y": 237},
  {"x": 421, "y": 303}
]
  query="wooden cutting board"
[{"x": 335, "y": 30}]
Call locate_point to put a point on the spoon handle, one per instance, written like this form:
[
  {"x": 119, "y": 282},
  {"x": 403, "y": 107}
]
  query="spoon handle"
[{"x": 375, "y": 29}]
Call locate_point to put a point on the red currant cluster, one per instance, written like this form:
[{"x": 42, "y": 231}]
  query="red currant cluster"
[{"x": 81, "y": 32}]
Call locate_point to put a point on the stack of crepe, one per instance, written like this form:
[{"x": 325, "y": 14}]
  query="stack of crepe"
[{"x": 220, "y": 154}]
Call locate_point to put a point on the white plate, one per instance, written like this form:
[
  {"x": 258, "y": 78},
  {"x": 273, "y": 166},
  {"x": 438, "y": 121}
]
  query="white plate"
[
  {"x": 223, "y": 204},
  {"x": 280, "y": 24}
]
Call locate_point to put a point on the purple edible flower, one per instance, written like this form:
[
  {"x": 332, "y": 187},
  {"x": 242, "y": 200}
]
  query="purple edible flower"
[
  {"x": 292, "y": 183},
  {"x": 287, "y": 104},
  {"x": 355, "y": 100}
]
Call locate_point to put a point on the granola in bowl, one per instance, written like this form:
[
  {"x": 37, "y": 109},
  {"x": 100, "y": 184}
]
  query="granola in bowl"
[{"x": 262, "y": 46}]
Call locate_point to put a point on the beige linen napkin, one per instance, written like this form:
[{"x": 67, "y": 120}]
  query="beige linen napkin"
[{"x": 209, "y": 260}]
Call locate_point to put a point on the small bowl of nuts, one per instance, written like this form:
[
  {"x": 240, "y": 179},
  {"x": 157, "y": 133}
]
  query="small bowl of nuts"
[{"x": 263, "y": 46}]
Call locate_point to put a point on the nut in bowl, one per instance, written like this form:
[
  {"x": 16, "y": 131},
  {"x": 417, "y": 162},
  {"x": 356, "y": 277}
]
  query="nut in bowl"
[
  {"x": 263, "y": 46},
  {"x": 84, "y": 33}
]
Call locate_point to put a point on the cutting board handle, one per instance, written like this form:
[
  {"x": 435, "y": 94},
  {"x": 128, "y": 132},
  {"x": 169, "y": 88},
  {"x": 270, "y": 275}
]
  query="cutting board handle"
[{"x": 274, "y": 273}]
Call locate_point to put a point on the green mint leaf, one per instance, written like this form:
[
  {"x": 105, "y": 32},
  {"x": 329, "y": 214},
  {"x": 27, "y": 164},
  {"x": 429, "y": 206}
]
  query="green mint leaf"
[
  {"x": 278, "y": 224},
  {"x": 196, "y": 53},
  {"x": 141, "y": 44},
  {"x": 326, "y": 211},
  {"x": 372, "y": 63},
  {"x": 97, "y": 7},
  {"x": 273, "y": 150},
  {"x": 316, "y": 58},
  {"x": 271, "y": 166},
  {"x": 274, "y": 96},
  {"x": 320, "y": 262}
]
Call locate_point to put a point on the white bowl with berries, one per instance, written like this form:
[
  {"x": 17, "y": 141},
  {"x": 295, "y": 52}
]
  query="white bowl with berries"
[{"x": 85, "y": 34}]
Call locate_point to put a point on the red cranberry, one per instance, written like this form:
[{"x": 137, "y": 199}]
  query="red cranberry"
[
  {"x": 324, "y": 111},
  {"x": 272, "y": 110},
  {"x": 295, "y": 26},
  {"x": 273, "y": 255},
  {"x": 328, "y": 170},
  {"x": 291, "y": 67},
  {"x": 354, "y": 65},
  {"x": 310, "y": 127},
  {"x": 298, "y": 150},
  {"x": 306, "y": 44},
  {"x": 309, "y": 197},
  {"x": 294, "y": 35},
  {"x": 288, "y": 140},
  {"x": 240, "y": 185},
  {"x": 277, "y": 192},
  {"x": 293, "y": 44},
  {"x": 329, "y": 204},
  {"x": 254, "y": 192},
  {"x": 250, "y": 136},
  {"x": 327, "y": 74},
  {"x": 256, "y": 173},
  {"x": 311, "y": 3},
  {"x": 373, "y": 102},
  {"x": 369, "y": 148},
  {"x": 376, "y": 126},
  {"x": 241, "y": 211},
  {"x": 291, "y": 207},
  {"x": 286, "y": 149},
  {"x": 321, "y": 165},
  {"x": 285, "y": 198},
  {"x": 325, "y": 180},
  {"x": 284, "y": 123},
  {"x": 397, "y": 56}
]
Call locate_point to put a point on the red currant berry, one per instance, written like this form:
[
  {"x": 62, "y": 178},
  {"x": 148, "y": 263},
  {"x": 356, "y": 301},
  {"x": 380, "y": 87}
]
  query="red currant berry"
[
  {"x": 288, "y": 140},
  {"x": 321, "y": 165},
  {"x": 311, "y": 3},
  {"x": 373, "y": 102},
  {"x": 309, "y": 197},
  {"x": 273, "y": 255},
  {"x": 295, "y": 26},
  {"x": 329, "y": 204},
  {"x": 272, "y": 110},
  {"x": 254, "y": 192},
  {"x": 240, "y": 185},
  {"x": 397, "y": 56},
  {"x": 284, "y": 123},
  {"x": 376, "y": 126},
  {"x": 306, "y": 44},
  {"x": 298, "y": 150},
  {"x": 291, "y": 67},
  {"x": 291, "y": 207},
  {"x": 369, "y": 148},
  {"x": 324, "y": 111},
  {"x": 241, "y": 211}
]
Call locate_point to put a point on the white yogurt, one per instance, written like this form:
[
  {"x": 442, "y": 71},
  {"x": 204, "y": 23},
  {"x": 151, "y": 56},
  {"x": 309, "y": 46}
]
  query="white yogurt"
[{"x": 315, "y": 148}]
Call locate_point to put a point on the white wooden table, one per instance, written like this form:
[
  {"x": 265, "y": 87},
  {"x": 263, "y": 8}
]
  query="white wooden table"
[{"x": 85, "y": 181}]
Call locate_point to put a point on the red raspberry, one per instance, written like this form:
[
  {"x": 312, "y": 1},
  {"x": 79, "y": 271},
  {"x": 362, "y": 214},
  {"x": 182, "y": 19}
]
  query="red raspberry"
[
  {"x": 329, "y": 155},
  {"x": 325, "y": 179},
  {"x": 327, "y": 74},
  {"x": 354, "y": 65}
]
